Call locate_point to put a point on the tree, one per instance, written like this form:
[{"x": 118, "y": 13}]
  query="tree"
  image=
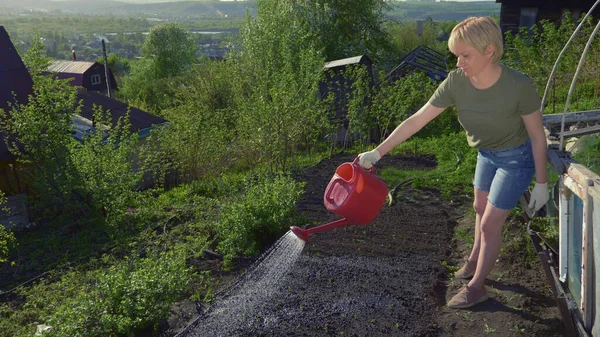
[
  {"x": 172, "y": 49},
  {"x": 278, "y": 71},
  {"x": 168, "y": 51},
  {"x": 345, "y": 28},
  {"x": 35, "y": 58}
]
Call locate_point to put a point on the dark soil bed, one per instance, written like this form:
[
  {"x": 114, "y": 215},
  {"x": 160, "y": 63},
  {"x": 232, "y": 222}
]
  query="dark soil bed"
[{"x": 386, "y": 278}]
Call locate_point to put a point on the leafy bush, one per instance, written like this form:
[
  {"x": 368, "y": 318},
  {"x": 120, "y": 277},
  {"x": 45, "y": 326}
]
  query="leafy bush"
[
  {"x": 119, "y": 301},
  {"x": 200, "y": 127},
  {"x": 70, "y": 181},
  {"x": 262, "y": 214},
  {"x": 39, "y": 134},
  {"x": 535, "y": 53},
  {"x": 395, "y": 101},
  {"x": 589, "y": 156},
  {"x": 104, "y": 161}
]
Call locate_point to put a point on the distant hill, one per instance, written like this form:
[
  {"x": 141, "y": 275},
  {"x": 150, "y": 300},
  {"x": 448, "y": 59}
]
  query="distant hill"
[
  {"x": 233, "y": 9},
  {"x": 121, "y": 8}
]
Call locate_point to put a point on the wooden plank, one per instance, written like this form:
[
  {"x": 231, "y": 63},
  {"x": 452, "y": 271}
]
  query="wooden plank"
[
  {"x": 572, "y": 117},
  {"x": 587, "y": 262},
  {"x": 595, "y": 193},
  {"x": 564, "y": 206},
  {"x": 581, "y": 174},
  {"x": 573, "y": 186},
  {"x": 583, "y": 131}
]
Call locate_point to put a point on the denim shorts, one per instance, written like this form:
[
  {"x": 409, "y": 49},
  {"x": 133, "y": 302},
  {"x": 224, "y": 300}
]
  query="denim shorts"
[{"x": 506, "y": 174}]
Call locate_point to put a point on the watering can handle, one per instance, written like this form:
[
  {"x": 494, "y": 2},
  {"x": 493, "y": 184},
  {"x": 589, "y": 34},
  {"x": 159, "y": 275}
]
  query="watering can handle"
[
  {"x": 355, "y": 163},
  {"x": 328, "y": 191}
]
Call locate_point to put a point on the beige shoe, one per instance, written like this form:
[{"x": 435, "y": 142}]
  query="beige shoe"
[
  {"x": 464, "y": 272},
  {"x": 468, "y": 297}
]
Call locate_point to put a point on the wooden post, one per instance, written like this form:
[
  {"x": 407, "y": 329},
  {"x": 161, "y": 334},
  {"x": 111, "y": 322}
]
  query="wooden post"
[{"x": 106, "y": 72}]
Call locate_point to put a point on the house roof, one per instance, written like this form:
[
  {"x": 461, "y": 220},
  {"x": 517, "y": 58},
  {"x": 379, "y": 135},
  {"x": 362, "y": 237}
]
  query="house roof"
[
  {"x": 140, "y": 120},
  {"x": 15, "y": 81},
  {"x": 71, "y": 67},
  {"x": 361, "y": 59},
  {"x": 424, "y": 58}
]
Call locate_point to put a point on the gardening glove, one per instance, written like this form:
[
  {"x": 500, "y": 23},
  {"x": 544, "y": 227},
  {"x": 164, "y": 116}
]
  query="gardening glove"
[
  {"x": 539, "y": 196},
  {"x": 368, "y": 159}
]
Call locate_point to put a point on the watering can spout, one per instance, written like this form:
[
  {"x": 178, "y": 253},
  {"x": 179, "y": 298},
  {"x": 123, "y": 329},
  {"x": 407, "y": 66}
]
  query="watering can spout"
[
  {"x": 304, "y": 233},
  {"x": 300, "y": 233}
]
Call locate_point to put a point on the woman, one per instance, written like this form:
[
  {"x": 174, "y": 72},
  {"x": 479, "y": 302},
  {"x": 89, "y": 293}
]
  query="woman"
[{"x": 499, "y": 109}]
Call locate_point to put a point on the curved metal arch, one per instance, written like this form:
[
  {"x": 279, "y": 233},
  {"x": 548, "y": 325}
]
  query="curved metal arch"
[
  {"x": 581, "y": 61},
  {"x": 579, "y": 66}
]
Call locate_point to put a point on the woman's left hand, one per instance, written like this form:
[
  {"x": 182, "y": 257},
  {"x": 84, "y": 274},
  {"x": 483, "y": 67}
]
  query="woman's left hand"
[{"x": 539, "y": 196}]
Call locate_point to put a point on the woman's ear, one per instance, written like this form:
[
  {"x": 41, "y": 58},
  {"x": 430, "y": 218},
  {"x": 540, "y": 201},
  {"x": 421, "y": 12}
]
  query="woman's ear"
[{"x": 490, "y": 51}]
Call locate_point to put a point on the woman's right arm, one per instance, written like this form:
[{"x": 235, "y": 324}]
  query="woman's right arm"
[{"x": 409, "y": 127}]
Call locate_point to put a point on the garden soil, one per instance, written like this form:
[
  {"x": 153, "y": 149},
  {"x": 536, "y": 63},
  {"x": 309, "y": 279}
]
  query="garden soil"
[{"x": 388, "y": 278}]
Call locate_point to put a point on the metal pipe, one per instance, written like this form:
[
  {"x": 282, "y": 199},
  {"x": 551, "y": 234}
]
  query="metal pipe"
[
  {"x": 560, "y": 55},
  {"x": 579, "y": 66}
]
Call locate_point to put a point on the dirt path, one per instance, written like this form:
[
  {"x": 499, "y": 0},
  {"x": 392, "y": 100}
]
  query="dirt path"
[{"x": 387, "y": 278}]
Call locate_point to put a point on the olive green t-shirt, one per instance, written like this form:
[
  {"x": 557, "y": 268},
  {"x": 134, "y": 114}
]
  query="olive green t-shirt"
[{"x": 491, "y": 117}]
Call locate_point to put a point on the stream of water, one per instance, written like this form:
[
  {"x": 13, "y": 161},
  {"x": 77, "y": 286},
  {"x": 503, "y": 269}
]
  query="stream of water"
[{"x": 251, "y": 292}]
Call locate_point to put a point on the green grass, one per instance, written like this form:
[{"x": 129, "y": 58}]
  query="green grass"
[{"x": 455, "y": 165}]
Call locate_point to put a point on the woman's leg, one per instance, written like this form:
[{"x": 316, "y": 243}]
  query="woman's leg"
[
  {"x": 491, "y": 226},
  {"x": 490, "y": 239},
  {"x": 479, "y": 205}
]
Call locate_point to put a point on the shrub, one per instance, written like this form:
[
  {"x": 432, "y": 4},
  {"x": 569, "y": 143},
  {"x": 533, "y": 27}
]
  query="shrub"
[
  {"x": 119, "y": 301},
  {"x": 262, "y": 214}
]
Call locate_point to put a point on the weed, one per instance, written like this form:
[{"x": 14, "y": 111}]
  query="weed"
[
  {"x": 464, "y": 236},
  {"x": 488, "y": 329},
  {"x": 517, "y": 329},
  {"x": 449, "y": 269}
]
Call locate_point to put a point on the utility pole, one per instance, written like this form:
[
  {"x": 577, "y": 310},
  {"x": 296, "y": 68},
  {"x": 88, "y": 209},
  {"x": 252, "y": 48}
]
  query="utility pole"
[{"x": 106, "y": 72}]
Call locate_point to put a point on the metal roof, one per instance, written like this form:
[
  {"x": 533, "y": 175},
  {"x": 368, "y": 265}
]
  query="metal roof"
[
  {"x": 71, "y": 67},
  {"x": 424, "y": 58},
  {"x": 15, "y": 81},
  {"x": 347, "y": 61},
  {"x": 140, "y": 120}
]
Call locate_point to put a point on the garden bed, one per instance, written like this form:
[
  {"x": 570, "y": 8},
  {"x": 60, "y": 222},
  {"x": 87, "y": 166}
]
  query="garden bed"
[{"x": 388, "y": 278}]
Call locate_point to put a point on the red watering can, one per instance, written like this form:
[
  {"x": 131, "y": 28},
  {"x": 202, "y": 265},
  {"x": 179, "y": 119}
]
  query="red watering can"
[{"x": 353, "y": 192}]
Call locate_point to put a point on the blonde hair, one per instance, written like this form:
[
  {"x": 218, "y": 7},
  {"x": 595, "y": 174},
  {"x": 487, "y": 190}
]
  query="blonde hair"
[{"x": 479, "y": 33}]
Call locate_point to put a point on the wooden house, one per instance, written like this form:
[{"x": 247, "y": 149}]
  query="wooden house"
[
  {"x": 89, "y": 75},
  {"x": 339, "y": 84},
  {"x": 16, "y": 85},
  {"x": 526, "y": 13}
]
